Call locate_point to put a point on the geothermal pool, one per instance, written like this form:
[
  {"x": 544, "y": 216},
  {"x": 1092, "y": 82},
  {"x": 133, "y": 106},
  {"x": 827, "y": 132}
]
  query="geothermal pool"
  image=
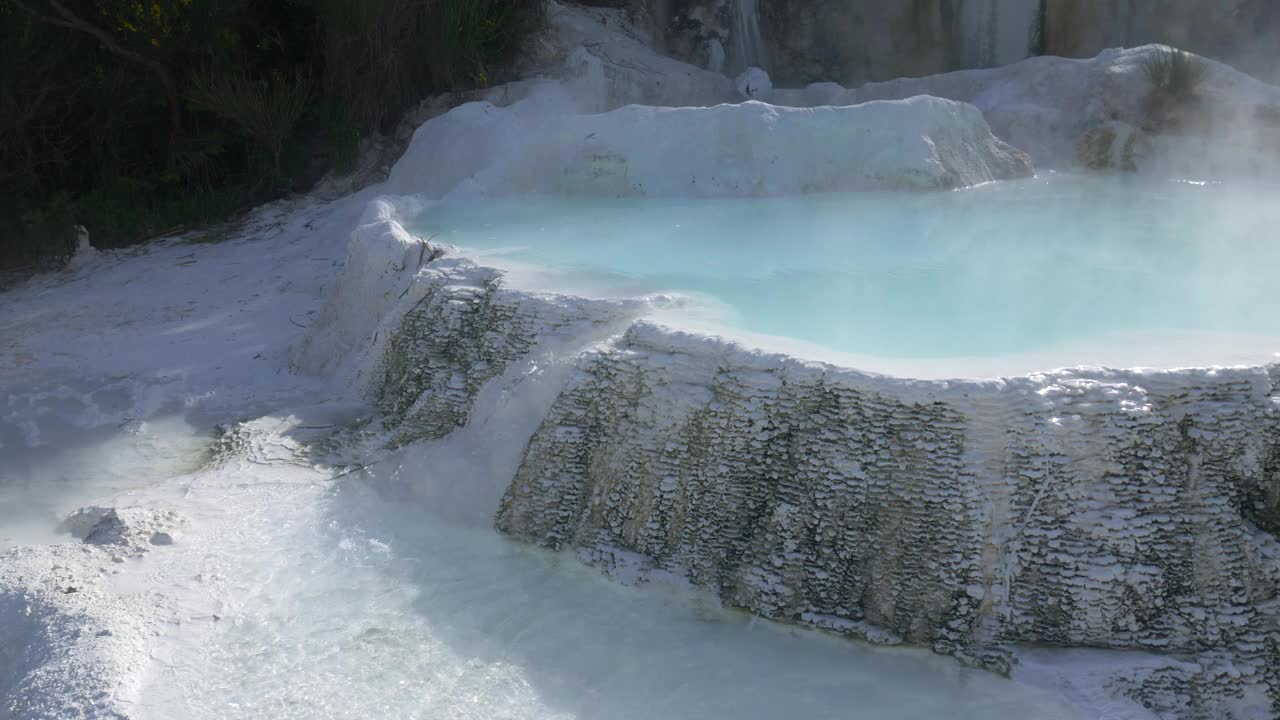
[{"x": 1057, "y": 265}]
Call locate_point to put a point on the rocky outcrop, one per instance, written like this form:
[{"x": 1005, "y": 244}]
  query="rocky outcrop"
[
  {"x": 1109, "y": 510},
  {"x": 856, "y": 42},
  {"x": 467, "y": 329},
  {"x": 131, "y": 530}
]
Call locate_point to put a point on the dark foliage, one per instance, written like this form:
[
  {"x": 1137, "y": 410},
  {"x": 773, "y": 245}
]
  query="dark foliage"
[{"x": 135, "y": 116}]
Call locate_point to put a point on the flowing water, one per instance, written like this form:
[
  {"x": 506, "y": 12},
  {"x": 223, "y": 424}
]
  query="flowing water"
[
  {"x": 371, "y": 605},
  {"x": 1006, "y": 268},
  {"x": 387, "y": 594},
  {"x": 998, "y": 32},
  {"x": 747, "y": 40}
]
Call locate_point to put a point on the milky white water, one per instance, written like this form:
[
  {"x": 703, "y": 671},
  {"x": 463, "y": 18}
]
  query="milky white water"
[
  {"x": 387, "y": 594},
  {"x": 65, "y": 460},
  {"x": 370, "y": 606},
  {"x": 1007, "y": 268}
]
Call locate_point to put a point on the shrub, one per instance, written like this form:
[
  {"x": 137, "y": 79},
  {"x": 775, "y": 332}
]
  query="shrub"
[
  {"x": 264, "y": 109},
  {"x": 1174, "y": 99},
  {"x": 382, "y": 56},
  {"x": 471, "y": 34}
]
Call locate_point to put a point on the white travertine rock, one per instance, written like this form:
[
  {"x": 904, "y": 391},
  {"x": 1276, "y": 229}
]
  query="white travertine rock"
[
  {"x": 752, "y": 149},
  {"x": 753, "y": 84}
]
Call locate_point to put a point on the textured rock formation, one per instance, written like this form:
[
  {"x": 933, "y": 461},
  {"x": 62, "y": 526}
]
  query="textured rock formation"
[
  {"x": 1127, "y": 511},
  {"x": 1109, "y": 510},
  {"x": 615, "y": 62},
  {"x": 1113, "y": 510},
  {"x": 132, "y": 529},
  {"x": 467, "y": 329}
]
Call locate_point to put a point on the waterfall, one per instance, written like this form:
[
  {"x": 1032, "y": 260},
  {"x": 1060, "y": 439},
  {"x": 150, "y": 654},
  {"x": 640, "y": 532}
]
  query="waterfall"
[
  {"x": 997, "y": 32},
  {"x": 747, "y": 43}
]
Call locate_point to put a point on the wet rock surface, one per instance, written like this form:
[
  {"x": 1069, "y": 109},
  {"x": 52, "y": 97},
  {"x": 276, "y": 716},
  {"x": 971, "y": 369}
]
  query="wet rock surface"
[
  {"x": 1074, "y": 509},
  {"x": 466, "y": 330}
]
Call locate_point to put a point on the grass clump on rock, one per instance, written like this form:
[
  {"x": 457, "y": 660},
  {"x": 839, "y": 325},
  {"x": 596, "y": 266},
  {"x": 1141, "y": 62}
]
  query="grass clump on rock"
[
  {"x": 1175, "y": 73},
  {"x": 1176, "y": 77}
]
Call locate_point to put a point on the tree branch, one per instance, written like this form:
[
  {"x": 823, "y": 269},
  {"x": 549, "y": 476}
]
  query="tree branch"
[{"x": 65, "y": 18}]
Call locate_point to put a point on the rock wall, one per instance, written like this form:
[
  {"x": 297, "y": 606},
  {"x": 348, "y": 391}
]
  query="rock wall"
[
  {"x": 847, "y": 41},
  {"x": 1097, "y": 509},
  {"x": 991, "y": 33},
  {"x": 857, "y": 41},
  {"x": 465, "y": 330}
]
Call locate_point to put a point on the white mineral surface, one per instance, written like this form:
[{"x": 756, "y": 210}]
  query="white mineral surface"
[{"x": 261, "y": 477}]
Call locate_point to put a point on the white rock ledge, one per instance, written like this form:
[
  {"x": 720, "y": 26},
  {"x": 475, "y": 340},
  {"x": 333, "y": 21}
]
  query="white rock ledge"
[{"x": 751, "y": 149}]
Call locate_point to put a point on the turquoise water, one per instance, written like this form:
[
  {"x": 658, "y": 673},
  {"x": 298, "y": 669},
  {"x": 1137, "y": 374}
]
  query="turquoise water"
[{"x": 1005, "y": 268}]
